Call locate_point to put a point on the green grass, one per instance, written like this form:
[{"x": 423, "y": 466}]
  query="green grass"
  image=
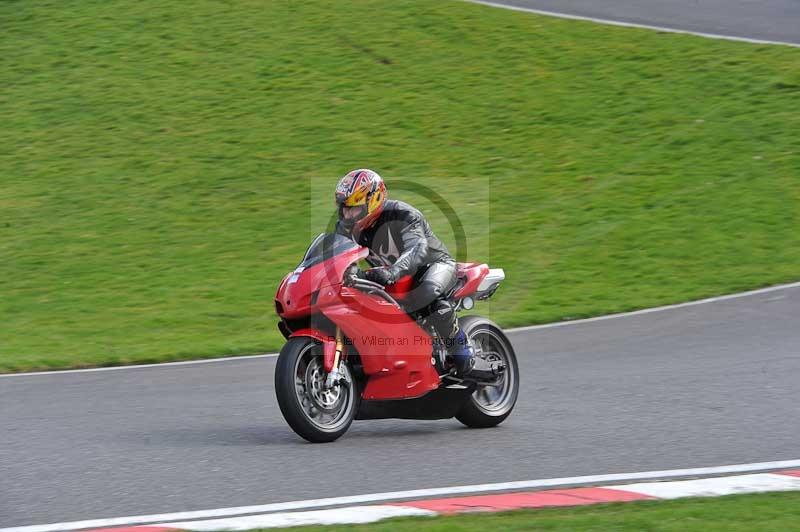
[
  {"x": 161, "y": 163},
  {"x": 774, "y": 512}
]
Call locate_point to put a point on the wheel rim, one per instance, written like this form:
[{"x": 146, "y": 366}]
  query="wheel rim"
[
  {"x": 498, "y": 398},
  {"x": 328, "y": 410}
]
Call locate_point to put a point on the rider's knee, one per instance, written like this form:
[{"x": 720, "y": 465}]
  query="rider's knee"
[{"x": 428, "y": 293}]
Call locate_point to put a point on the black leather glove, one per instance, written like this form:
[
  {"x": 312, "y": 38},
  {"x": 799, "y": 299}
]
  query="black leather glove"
[{"x": 380, "y": 275}]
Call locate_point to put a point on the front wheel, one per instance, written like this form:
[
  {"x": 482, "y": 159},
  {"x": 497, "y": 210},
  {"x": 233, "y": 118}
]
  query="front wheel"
[
  {"x": 489, "y": 405},
  {"x": 315, "y": 413}
]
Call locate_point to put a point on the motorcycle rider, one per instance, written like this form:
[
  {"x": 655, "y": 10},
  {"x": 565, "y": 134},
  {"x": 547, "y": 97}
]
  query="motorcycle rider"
[{"x": 401, "y": 243}]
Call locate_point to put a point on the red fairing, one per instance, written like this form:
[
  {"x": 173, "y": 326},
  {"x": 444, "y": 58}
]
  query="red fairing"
[
  {"x": 395, "y": 352},
  {"x": 293, "y": 299},
  {"x": 401, "y": 288},
  {"x": 472, "y": 273}
]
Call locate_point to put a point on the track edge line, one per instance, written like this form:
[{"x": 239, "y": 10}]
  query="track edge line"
[{"x": 610, "y": 22}]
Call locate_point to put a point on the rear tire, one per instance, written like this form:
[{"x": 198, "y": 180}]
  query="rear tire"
[
  {"x": 490, "y": 406},
  {"x": 316, "y": 414}
]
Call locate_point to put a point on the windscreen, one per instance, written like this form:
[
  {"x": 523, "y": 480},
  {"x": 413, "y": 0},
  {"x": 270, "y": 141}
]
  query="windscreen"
[{"x": 326, "y": 246}]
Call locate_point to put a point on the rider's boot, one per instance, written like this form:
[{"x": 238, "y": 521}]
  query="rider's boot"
[
  {"x": 467, "y": 364},
  {"x": 463, "y": 353}
]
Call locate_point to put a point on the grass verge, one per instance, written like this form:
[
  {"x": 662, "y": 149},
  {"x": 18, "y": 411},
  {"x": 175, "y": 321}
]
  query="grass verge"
[
  {"x": 157, "y": 162},
  {"x": 745, "y": 513}
]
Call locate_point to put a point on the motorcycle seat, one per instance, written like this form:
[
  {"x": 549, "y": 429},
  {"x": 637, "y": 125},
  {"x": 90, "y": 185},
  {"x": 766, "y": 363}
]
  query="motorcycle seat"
[{"x": 468, "y": 277}]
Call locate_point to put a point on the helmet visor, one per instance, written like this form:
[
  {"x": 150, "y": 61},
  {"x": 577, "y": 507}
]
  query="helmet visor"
[{"x": 348, "y": 216}]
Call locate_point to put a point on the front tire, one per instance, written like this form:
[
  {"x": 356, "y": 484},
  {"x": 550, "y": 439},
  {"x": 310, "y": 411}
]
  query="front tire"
[
  {"x": 314, "y": 413},
  {"x": 489, "y": 406}
]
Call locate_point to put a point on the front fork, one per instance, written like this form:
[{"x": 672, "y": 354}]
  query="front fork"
[{"x": 332, "y": 356}]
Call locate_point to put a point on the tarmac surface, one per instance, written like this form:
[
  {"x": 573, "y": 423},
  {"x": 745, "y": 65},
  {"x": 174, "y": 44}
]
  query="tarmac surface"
[
  {"x": 705, "y": 385},
  {"x": 769, "y": 20}
]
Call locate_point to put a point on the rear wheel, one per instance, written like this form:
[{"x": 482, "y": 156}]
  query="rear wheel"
[
  {"x": 317, "y": 414},
  {"x": 490, "y": 404}
]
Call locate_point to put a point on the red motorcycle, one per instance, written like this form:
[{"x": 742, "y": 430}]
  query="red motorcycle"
[{"x": 353, "y": 352}]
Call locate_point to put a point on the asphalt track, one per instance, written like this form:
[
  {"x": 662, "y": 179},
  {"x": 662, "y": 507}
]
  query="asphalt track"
[
  {"x": 711, "y": 384},
  {"x": 768, "y": 20}
]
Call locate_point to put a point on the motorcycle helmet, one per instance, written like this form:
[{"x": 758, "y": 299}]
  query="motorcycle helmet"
[{"x": 360, "y": 197}]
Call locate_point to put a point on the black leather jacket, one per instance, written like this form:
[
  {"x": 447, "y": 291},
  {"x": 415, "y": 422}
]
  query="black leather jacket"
[{"x": 401, "y": 240}]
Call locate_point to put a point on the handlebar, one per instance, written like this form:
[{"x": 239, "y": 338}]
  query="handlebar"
[{"x": 371, "y": 288}]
